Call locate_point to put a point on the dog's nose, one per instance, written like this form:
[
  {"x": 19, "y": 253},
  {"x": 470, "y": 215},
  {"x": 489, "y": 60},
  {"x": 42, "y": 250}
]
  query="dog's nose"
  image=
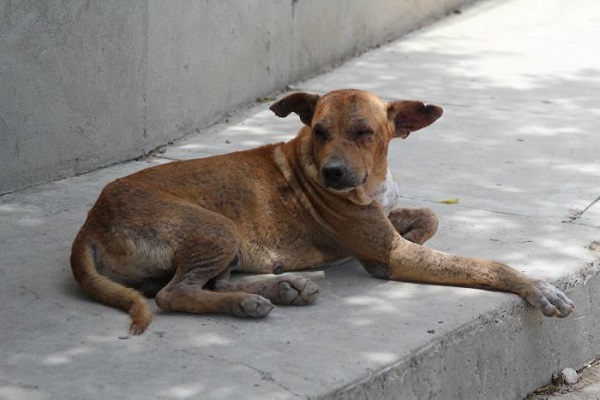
[{"x": 335, "y": 175}]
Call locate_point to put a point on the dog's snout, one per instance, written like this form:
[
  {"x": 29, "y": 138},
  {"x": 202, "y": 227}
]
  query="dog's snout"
[{"x": 336, "y": 175}]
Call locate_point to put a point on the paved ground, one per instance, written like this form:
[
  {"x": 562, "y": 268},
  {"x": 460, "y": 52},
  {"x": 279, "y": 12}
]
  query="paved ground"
[{"x": 518, "y": 146}]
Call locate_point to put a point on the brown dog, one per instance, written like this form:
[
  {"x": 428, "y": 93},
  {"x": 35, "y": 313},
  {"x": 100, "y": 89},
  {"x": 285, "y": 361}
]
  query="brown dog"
[{"x": 175, "y": 231}]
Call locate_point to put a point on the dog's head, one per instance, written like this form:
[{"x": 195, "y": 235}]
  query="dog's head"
[{"x": 350, "y": 131}]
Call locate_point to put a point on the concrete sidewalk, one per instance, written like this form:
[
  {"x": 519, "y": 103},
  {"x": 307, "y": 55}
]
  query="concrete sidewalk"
[{"x": 518, "y": 145}]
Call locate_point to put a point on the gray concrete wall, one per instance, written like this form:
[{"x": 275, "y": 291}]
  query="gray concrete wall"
[{"x": 84, "y": 84}]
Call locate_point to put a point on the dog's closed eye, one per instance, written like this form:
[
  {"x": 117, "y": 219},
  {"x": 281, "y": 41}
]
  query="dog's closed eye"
[
  {"x": 361, "y": 131},
  {"x": 364, "y": 134},
  {"x": 321, "y": 133}
]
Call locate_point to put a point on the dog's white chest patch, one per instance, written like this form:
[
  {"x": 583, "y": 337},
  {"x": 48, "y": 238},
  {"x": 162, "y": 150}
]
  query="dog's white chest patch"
[{"x": 388, "y": 193}]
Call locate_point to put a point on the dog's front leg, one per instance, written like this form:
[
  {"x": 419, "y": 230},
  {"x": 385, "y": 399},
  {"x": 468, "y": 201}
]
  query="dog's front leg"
[
  {"x": 416, "y": 225},
  {"x": 407, "y": 261}
]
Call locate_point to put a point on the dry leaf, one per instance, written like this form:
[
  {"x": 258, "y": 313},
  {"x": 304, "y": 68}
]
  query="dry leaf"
[{"x": 450, "y": 201}]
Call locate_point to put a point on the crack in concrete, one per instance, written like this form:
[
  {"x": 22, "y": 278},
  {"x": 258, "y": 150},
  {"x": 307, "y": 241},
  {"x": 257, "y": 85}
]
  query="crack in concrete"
[
  {"x": 578, "y": 214},
  {"x": 264, "y": 376},
  {"x": 267, "y": 377},
  {"x": 30, "y": 291}
]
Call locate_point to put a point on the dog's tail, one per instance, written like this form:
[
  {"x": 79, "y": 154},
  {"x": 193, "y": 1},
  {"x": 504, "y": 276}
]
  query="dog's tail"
[{"x": 108, "y": 292}]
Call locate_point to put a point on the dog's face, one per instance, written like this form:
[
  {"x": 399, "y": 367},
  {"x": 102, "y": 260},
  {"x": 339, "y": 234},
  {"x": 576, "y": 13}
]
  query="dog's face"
[{"x": 351, "y": 130}]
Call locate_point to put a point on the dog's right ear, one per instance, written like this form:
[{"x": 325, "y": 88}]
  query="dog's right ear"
[
  {"x": 409, "y": 116},
  {"x": 300, "y": 103}
]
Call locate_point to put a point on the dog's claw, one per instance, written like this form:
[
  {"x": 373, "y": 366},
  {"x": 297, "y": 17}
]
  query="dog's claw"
[
  {"x": 254, "y": 306},
  {"x": 549, "y": 300}
]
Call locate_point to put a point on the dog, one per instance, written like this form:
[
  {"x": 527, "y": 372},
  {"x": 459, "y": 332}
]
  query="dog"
[{"x": 176, "y": 231}]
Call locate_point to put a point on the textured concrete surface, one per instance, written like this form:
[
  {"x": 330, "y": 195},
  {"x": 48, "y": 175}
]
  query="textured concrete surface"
[
  {"x": 87, "y": 84},
  {"x": 518, "y": 145},
  {"x": 587, "y": 386}
]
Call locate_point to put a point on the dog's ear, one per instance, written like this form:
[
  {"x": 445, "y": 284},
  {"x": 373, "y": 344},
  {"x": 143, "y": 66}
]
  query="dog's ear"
[
  {"x": 410, "y": 116},
  {"x": 301, "y": 103}
]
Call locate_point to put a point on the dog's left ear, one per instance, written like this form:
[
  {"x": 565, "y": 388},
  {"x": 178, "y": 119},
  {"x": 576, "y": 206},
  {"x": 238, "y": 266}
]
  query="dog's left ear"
[
  {"x": 409, "y": 116},
  {"x": 301, "y": 103}
]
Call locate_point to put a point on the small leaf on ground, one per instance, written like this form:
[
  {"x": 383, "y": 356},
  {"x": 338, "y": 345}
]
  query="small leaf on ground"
[{"x": 450, "y": 201}]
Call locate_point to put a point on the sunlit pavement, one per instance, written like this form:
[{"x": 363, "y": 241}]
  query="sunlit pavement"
[{"x": 518, "y": 146}]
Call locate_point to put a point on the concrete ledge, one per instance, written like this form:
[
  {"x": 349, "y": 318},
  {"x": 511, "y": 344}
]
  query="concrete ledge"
[
  {"x": 506, "y": 353},
  {"x": 518, "y": 146},
  {"x": 86, "y": 85}
]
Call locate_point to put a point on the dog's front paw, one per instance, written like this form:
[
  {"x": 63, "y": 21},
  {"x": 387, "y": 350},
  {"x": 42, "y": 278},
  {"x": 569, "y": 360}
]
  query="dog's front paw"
[
  {"x": 254, "y": 306},
  {"x": 548, "y": 299},
  {"x": 296, "y": 290}
]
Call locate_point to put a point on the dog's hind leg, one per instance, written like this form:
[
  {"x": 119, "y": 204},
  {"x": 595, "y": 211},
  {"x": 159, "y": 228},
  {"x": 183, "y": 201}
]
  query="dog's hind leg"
[
  {"x": 416, "y": 225},
  {"x": 204, "y": 254},
  {"x": 286, "y": 289}
]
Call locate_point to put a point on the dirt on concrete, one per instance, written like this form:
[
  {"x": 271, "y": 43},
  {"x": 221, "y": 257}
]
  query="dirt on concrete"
[{"x": 587, "y": 386}]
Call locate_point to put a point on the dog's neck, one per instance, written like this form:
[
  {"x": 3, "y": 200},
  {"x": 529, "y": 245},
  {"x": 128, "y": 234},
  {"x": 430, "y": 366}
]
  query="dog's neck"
[{"x": 386, "y": 192}]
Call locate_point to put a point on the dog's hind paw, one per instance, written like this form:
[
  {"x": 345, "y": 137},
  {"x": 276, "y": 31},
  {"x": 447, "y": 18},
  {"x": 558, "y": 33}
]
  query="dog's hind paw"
[
  {"x": 549, "y": 300},
  {"x": 285, "y": 289},
  {"x": 254, "y": 306},
  {"x": 295, "y": 290}
]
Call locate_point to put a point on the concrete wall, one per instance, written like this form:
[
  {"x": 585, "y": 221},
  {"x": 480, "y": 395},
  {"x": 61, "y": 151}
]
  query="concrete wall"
[{"x": 84, "y": 84}]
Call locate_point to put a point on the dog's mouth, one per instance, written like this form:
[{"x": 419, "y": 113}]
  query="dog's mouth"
[{"x": 341, "y": 190}]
